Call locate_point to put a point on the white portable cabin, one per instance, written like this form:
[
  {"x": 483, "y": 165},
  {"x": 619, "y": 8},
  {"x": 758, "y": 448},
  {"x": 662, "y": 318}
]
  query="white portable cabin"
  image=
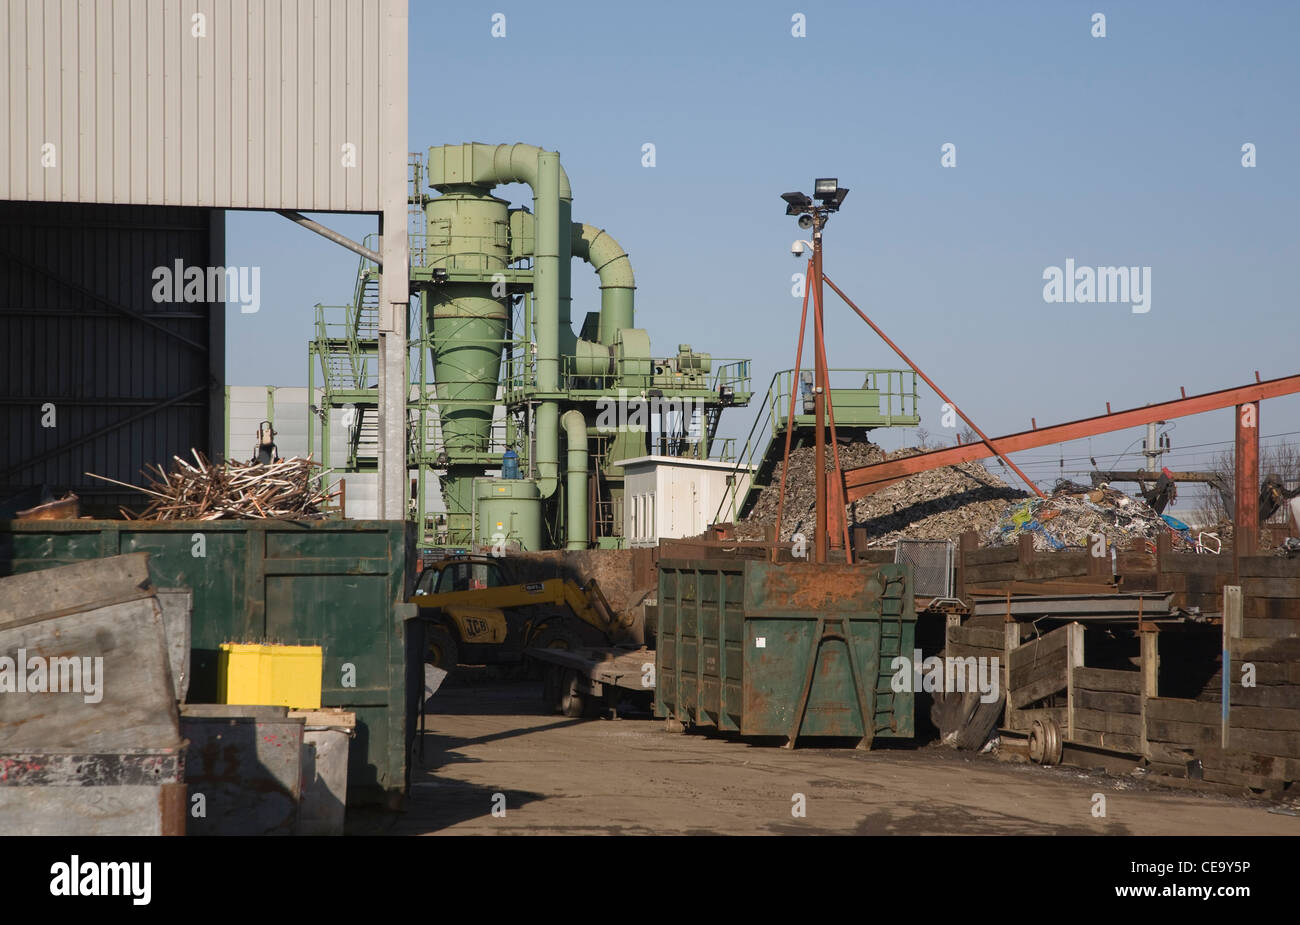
[{"x": 674, "y": 496}]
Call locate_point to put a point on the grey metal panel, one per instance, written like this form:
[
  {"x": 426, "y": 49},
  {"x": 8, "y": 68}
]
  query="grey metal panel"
[
  {"x": 61, "y": 342},
  {"x": 246, "y": 408},
  {"x": 248, "y": 762},
  {"x": 363, "y": 494},
  {"x": 251, "y": 115}
]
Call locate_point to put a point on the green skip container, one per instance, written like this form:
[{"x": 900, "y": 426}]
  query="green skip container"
[
  {"x": 791, "y": 650},
  {"x": 338, "y": 584}
]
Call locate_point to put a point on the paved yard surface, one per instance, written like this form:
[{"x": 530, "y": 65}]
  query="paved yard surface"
[{"x": 630, "y": 776}]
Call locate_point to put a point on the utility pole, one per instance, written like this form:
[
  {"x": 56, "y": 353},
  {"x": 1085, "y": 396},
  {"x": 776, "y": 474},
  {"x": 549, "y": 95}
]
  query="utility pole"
[{"x": 1153, "y": 449}]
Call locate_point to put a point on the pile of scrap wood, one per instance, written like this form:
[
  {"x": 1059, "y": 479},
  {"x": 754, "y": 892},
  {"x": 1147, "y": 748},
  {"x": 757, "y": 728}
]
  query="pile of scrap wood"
[{"x": 290, "y": 489}]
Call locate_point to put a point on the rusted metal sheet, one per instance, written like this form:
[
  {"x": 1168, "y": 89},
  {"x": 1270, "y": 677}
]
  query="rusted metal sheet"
[
  {"x": 68, "y": 508},
  {"x": 790, "y": 650}
]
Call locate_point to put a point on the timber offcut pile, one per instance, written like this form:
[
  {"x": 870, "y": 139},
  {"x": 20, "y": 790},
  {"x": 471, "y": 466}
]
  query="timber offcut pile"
[
  {"x": 290, "y": 489},
  {"x": 940, "y": 504}
]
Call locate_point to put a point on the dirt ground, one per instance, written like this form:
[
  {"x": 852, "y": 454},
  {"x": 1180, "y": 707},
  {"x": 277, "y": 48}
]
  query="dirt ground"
[{"x": 630, "y": 776}]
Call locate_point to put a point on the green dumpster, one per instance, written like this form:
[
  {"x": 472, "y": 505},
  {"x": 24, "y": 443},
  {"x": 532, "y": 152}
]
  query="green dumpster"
[
  {"x": 765, "y": 649},
  {"x": 338, "y": 584}
]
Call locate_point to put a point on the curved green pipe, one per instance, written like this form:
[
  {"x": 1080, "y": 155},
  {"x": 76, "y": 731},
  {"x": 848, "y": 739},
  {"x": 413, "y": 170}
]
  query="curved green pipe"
[{"x": 617, "y": 282}]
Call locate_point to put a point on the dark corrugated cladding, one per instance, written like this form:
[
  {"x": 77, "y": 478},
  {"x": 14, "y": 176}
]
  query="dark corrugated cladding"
[{"x": 132, "y": 381}]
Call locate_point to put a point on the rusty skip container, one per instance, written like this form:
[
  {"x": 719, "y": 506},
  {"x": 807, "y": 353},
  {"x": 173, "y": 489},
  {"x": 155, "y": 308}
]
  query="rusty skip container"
[{"x": 766, "y": 649}]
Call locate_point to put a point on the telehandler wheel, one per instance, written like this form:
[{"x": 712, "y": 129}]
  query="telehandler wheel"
[
  {"x": 440, "y": 648},
  {"x": 557, "y": 636}
]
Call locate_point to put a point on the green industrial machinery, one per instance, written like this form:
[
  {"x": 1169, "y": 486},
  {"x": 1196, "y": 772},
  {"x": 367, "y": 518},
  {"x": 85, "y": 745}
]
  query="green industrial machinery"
[{"x": 500, "y": 379}]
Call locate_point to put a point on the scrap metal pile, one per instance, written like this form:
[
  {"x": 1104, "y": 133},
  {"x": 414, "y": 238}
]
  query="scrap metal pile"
[
  {"x": 936, "y": 505},
  {"x": 939, "y": 504},
  {"x": 289, "y": 489},
  {"x": 1074, "y": 516},
  {"x": 944, "y": 503}
]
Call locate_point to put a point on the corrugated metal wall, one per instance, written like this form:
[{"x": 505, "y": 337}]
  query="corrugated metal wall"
[
  {"x": 252, "y": 114},
  {"x": 131, "y": 381}
]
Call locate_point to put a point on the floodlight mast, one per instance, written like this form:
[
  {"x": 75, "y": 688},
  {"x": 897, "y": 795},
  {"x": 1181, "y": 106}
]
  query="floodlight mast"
[{"x": 831, "y": 530}]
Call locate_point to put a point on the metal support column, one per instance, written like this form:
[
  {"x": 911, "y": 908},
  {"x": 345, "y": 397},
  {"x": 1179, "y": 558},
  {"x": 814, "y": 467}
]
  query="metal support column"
[
  {"x": 1245, "y": 520},
  {"x": 394, "y": 280}
]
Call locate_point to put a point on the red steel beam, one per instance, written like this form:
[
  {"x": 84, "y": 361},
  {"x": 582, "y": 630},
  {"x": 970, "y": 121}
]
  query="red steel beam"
[{"x": 864, "y": 480}]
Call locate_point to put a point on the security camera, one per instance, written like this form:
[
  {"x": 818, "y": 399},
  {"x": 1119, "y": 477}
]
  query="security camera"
[{"x": 796, "y": 249}]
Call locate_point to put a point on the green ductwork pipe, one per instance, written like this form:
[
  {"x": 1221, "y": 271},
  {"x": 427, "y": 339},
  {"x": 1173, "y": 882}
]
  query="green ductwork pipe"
[
  {"x": 575, "y": 486},
  {"x": 617, "y": 283},
  {"x": 546, "y": 294},
  {"x": 464, "y": 174},
  {"x": 491, "y": 165}
]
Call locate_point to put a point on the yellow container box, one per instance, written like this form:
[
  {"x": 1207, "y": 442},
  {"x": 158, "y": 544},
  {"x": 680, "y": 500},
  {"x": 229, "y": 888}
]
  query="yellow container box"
[{"x": 267, "y": 675}]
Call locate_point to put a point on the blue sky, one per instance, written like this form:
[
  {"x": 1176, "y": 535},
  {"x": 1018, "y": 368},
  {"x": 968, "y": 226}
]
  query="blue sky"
[{"x": 1123, "y": 150}]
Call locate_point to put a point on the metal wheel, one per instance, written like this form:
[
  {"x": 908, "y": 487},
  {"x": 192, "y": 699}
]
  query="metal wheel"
[{"x": 1045, "y": 743}]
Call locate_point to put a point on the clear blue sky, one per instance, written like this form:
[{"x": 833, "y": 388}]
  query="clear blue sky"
[{"x": 1123, "y": 150}]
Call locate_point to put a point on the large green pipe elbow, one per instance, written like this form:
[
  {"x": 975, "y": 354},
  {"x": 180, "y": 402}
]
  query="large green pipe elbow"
[
  {"x": 517, "y": 163},
  {"x": 617, "y": 282},
  {"x": 488, "y": 165},
  {"x": 575, "y": 435}
]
